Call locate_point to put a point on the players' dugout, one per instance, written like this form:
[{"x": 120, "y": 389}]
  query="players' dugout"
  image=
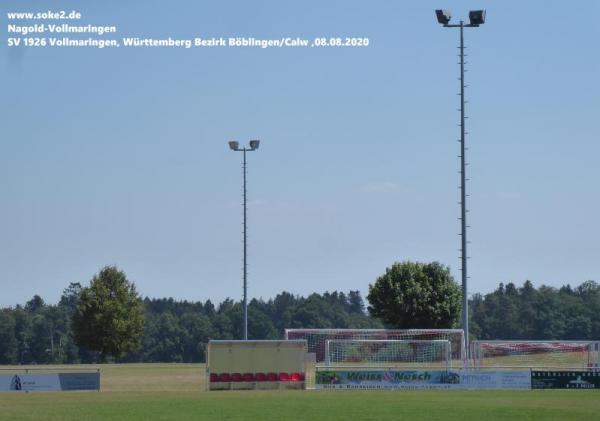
[{"x": 235, "y": 365}]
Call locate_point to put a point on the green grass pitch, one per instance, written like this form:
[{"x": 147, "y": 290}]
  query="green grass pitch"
[{"x": 177, "y": 391}]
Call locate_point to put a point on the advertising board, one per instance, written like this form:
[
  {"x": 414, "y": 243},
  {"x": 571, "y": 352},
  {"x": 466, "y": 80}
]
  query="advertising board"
[
  {"x": 49, "y": 382},
  {"x": 565, "y": 380},
  {"x": 386, "y": 379},
  {"x": 470, "y": 379}
]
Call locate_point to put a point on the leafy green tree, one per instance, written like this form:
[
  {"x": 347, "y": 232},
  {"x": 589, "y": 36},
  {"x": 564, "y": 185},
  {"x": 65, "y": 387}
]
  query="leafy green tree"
[
  {"x": 550, "y": 322},
  {"x": 8, "y": 341},
  {"x": 355, "y": 303},
  {"x": 110, "y": 315},
  {"x": 197, "y": 330},
  {"x": 164, "y": 342},
  {"x": 69, "y": 351},
  {"x": 34, "y": 332},
  {"x": 527, "y": 304},
  {"x": 416, "y": 295},
  {"x": 507, "y": 317},
  {"x": 209, "y": 308},
  {"x": 227, "y": 321},
  {"x": 260, "y": 325},
  {"x": 544, "y": 314},
  {"x": 41, "y": 346},
  {"x": 23, "y": 334},
  {"x": 70, "y": 296},
  {"x": 281, "y": 307},
  {"x": 35, "y": 304},
  {"x": 589, "y": 292}
]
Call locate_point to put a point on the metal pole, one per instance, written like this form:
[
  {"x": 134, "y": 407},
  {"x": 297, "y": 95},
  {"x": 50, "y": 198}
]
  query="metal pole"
[
  {"x": 463, "y": 205},
  {"x": 245, "y": 257}
]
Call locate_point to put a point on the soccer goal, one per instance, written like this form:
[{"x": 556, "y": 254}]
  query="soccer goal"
[
  {"x": 317, "y": 338},
  {"x": 395, "y": 353},
  {"x": 536, "y": 354}
]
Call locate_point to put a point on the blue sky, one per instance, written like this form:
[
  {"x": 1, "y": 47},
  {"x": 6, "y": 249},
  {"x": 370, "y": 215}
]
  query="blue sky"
[{"x": 120, "y": 156}]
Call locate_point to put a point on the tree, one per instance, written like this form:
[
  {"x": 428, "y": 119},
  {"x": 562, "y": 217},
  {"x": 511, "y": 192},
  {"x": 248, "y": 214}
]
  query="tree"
[
  {"x": 41, "y": 346},
  {"x": 110, "y": 315},
  {"x": 197, "y": 331},
  {"x": 546, "y": 313},
  {"x": 23, "y": 334},
  {"x": 356, "y": 304},
  {"x": 35, "y": 304},
  {"x": 70, "y": 296},
  {"x": 164, "y": 342},
  {"x": 69, "y": 352},
  {"x": 8, "y": 340},
  {"x": 259, "y": 324},
  {"x": 416, "y": 295}
]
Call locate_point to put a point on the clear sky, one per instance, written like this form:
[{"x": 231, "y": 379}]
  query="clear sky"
[{"x": 120, "y": 156}]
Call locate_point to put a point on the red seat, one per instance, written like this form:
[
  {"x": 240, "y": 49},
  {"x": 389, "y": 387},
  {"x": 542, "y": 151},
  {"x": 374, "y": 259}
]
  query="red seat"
[
  {"x": 236, "y": 377},
  {"x": 224, "y": 377},
  {"x": 297, "y": 377},
  {"x": 284, "y": 377},
  {"x": 214, "y": 377},
  {"x": 260, "y": 377},
  {"x": 248, "y": 377},
  {"x": 271, "y": 377}
]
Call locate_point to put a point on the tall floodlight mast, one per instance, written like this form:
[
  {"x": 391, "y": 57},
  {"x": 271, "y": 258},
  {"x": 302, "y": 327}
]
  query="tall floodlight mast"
[
  {"x": 476, "y": 18},
  {"x": 235, "y": 146}
]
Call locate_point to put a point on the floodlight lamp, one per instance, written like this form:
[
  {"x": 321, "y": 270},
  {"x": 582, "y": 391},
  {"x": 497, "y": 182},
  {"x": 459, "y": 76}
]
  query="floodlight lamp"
[
  {"x": 254, "y": 144},
  {"x": 443, "y": 16},
  {"x": 477, "y": 17},
  {"x": 233, "y": 145}
]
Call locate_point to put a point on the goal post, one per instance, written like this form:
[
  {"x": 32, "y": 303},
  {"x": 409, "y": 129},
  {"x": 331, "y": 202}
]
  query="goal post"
[
  {"x": 397, "y": 353},
  {"x": 316, "y": 338},
  {"x": 536, "y": 354}
]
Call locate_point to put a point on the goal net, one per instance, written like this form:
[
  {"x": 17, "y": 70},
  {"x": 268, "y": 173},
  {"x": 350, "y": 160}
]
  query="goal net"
[
  {"x": 389, "y": 353},
  {"x": 537, "y": 354},
  {"x": 317, "y": 338}
]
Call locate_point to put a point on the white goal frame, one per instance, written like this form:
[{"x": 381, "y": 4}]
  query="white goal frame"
[
  {"x": 316, "y": 338},
  {"x": 592, "y": 363},
  {"x": 445, "y": 364}
]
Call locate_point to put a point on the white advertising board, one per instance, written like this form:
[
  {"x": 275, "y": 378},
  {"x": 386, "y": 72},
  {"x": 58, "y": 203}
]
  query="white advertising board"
[{"x": 495, "y": 379}]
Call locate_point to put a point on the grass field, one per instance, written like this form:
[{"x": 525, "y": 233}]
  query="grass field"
[{"x": 176, "y": 391}]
